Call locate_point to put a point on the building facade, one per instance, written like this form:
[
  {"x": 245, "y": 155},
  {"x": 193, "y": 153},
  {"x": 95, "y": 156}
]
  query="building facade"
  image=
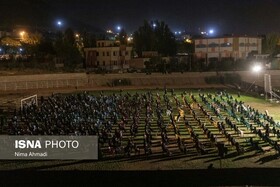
[
  {"x": 108, "y": 55},
  {"x": 227, "y": 47}
]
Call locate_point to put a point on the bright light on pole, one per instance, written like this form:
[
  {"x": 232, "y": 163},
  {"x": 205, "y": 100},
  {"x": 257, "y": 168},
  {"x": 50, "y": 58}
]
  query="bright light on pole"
[
  {"x": 129, "y": 39},
  {"x": 22, "y": 33},
  {"x": 257, "y": 68},
  {"x": 59, "y": 23},
  {"x": 211, "y": 31}
]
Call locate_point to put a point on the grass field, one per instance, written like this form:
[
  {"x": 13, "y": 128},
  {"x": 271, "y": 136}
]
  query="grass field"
[{"x": 251, "y": 158}]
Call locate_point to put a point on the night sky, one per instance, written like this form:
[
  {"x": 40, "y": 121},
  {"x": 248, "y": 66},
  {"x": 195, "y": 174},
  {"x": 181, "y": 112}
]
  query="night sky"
[{"x": 224, "y": 16}]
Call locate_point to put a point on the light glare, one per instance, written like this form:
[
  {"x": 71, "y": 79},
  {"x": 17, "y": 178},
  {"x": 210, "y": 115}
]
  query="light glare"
[
  {"x": 257, "y": 68},
  {"x": 59, "y": 23}
]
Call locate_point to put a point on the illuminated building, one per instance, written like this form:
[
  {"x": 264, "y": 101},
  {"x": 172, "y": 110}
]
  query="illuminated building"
[
  {"x": 108, "y": 55},
  {"x": 236, "y": 47}
]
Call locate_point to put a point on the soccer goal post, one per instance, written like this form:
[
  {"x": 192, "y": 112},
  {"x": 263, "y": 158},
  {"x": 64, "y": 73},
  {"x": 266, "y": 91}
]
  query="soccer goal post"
[
  {"x": 31, "y": 100},
  {"x": 267, "y": 85}
]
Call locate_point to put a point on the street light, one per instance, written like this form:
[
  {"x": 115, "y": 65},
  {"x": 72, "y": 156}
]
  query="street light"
[
  {"x": 22, "y": 33},
  {"x": 59, "y": 24},
  {"x": 129, "y": 39}
]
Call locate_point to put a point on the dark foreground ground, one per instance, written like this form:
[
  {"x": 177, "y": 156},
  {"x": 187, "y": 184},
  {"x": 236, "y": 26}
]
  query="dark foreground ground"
[{"x": 210, "y": 177}]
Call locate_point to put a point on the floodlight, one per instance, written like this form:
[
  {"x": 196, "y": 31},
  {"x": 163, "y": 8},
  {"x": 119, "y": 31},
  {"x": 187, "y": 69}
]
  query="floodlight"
[{"x": 257, "y": 68}]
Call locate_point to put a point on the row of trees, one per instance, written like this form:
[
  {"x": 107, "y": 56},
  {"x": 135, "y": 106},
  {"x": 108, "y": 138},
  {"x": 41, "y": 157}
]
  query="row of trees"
[
  {"x": 271, "y": 43},
  {"x": 65, "y": 47},
  {"x": 158, "y": 64},
  {"x": 40, "y": 48}
]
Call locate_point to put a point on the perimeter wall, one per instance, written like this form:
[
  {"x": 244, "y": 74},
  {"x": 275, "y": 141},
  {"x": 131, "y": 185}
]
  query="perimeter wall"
[{"x": 83, "y": 80}]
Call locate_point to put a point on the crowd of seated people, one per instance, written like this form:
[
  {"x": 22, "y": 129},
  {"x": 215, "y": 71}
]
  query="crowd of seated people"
[
  {"x": 112, "y": 116},
  {"x": 245, "y": 115}
]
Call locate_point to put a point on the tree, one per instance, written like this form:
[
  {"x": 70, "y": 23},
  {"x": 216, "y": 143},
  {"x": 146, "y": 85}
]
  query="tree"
[
  {"x": 185, "y": 47},
  {"x": 165, "y": 40},
  {"x": 89, "y": 39},
  {"x": 144, "y": 39},
  {"x": 65, "y": 49},
  {"x": 45, "y": 48},
  {"x": 271, "y": 42},
  {"x": 122, "y": 37},
  {"x": 157, "y": 38},
  {"x": 32, "y": 43},
  {"x": 69, "y": 36}
]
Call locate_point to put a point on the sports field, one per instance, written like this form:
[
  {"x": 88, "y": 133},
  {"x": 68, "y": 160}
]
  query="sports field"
[{"x": 178, "y": 129}]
